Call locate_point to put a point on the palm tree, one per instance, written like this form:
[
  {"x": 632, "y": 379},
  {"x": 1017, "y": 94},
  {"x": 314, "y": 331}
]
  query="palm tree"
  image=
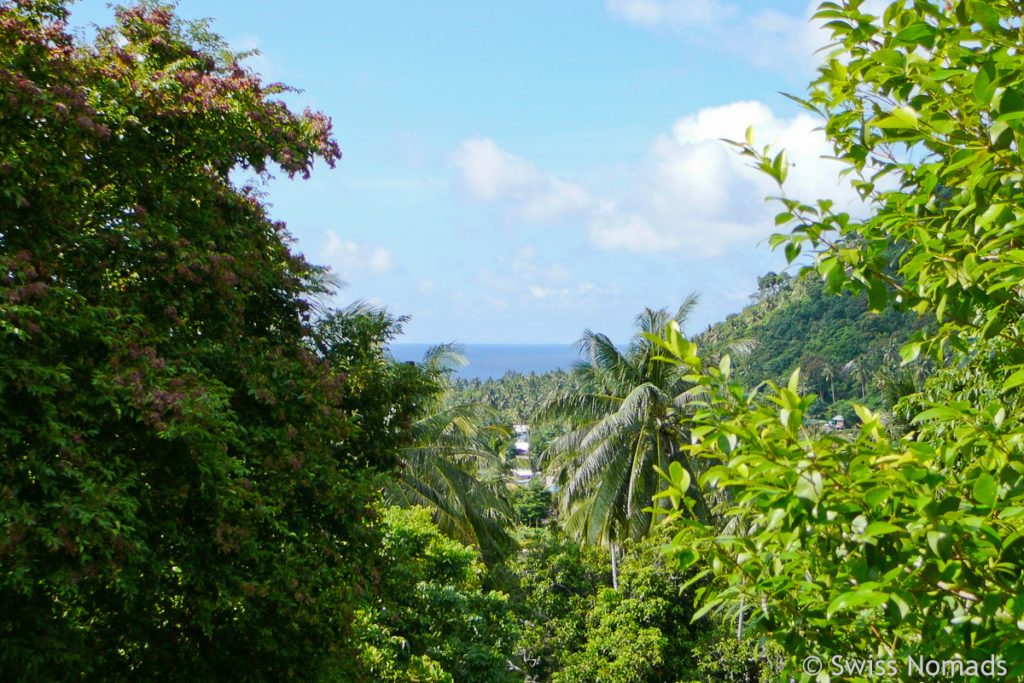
[
  {"x": 629, "y": 418},
  {"x": 829, "y": 373},
  {"x": 453, "y": 467},
  {"x": 858, "y": 370}
]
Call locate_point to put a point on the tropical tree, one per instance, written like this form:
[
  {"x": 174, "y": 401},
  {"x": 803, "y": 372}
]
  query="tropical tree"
[
  {"x": 858, "y": 370},
  {"x": 187, "y": 450},
  {"x": 454, "y": 465},
  {"x": 432, "y": 619},
  {"x": 902, "y": 548},
  {"x": 627, "y": 422}
]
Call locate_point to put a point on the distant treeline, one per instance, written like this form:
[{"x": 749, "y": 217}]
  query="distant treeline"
[{"x": 845, "y": 352}]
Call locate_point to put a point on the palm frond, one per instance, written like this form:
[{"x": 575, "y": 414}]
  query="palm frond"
[
  {"x": 685, "y": 310},
  {"x": 444, "y": 357},
  {"x": 630, "y": 416}
]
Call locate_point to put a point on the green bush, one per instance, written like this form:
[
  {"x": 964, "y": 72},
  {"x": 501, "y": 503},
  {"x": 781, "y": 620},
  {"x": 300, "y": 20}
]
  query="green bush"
[{"x": 432, "y": 620}]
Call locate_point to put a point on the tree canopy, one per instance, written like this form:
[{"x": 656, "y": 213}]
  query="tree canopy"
[{"x": 187, "y": 454}]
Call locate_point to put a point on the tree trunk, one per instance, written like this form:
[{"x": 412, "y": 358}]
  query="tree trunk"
[
  {"x": 615, "y": 567},
  {"x": 739, "y": 623}
]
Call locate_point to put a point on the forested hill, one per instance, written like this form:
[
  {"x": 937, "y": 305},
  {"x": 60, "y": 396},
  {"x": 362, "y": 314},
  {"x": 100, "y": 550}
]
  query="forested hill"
[{"x": 844, "y": 350}]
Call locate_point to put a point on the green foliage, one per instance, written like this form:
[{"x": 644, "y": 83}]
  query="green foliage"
[
  {"x": 557, "y": 581},
  {"x": 643, "y": 630},
  {"x": 532, "y": 503},
  {"x": 455, "y": 467},
  {"x": 574, "y": 627},
  {"x": 840, "y": 345},
  {"x": 433, "y": 621},
  {"x": 516, "y": 397},
  {"x": 889, "y": 547},
  {"x": 619, "y": 647},
  {"x": 186, "y": 455},
  {"x": 722, "y": 658},
  {"x": 622, "y": 426}
]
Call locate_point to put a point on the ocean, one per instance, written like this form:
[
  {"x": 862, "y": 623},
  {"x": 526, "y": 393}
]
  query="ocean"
[{"x": 491, "y": 361}]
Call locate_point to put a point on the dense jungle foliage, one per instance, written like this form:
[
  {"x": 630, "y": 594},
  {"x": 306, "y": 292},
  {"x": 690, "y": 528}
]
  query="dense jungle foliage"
[
  {"x": 846, "y": 353},
  {"x": 209, "y": 473}
]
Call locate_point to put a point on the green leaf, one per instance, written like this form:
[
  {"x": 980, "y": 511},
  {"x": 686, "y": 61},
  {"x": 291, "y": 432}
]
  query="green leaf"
[
  {"x": 706, "y": 608},
  {"x": 985, "y": 489},
  {"x": 984, "y": 86},
  {"x": 920, "y": 32},
  {"x": 679, "y": 476},
  {"x": 864, "y": 414},
  {"x": 936, "y": 413},
  {"x": 1010, "y": 102},
  {"x": 794, "y": 381},
  {"x": 858, "y": 599},
  {"x": 696, "y": 578},
  {"x": 781, "y": 166},
  {"x": 897, "y": 119},
  {"x": 1014, "y": 380},
  {"x": 874, "y": 497},
  {"x": 1000, "y": 135},
  {"x": 910, "y": 352},
  {"x": 809, "y": 486},
  {"x": 792, "y": 250},
  {"x": 940, "y": 543},
  {"x": 901, "y": 605},
  {"x": 880, "y": 529},
  {"x": 983, "y": 13},
  {"x": 687, "y": 558},
  {"x": 783, "y": 218},
  {"x": 906, "y": 115},
  {"x": 878, "y": 295}
]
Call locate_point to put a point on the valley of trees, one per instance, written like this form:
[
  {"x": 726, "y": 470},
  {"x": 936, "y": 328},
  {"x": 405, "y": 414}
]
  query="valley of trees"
[{"x": 209, "y": 472}]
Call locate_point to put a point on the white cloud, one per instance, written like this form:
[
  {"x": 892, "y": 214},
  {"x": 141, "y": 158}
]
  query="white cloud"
[
  {"x": 490, "y": 174},
  {"x": 696, "y": 193},
  {"x": 426, "y": 285},
  {"x": 673, "y": 14},
  {"x": 545, "y": 292},
  {"x": 573, "y": 294},
  {"x": 612, "y": 230},
  {"x": 351, "y": 257},
  {"x": 784, "y": 42},
  {"x": 521, "y": 278},
  {"x": 692, "y": 192},
  {"x": 766, "y": 37}
]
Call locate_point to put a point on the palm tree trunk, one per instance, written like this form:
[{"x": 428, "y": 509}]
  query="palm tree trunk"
[
  {"x": 739, "y": 624},
  {"x": 615, "y": 567}
]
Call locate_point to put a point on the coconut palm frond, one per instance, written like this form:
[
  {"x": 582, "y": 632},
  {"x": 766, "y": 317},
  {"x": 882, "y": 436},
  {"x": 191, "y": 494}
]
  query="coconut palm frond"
[
  {"x": 685, "y": 310},
  {"x": 452, "y": 468},
  {"x": 577, "y": 407},
  {"x": 630, "y": 416},
  {"x": 444, "y": 357}
]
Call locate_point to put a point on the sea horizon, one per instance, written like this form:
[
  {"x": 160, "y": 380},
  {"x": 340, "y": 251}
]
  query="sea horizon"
[{"x": 495, "y": 360}]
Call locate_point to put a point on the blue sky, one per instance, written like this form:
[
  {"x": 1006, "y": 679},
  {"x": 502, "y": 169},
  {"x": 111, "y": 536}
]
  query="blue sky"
[{"x": 520, "y": 171}]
